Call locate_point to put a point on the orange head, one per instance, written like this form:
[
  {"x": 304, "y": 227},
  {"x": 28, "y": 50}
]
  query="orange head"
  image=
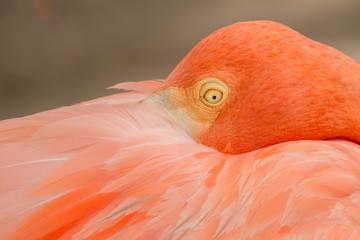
[{"x": 255, "y": 84}]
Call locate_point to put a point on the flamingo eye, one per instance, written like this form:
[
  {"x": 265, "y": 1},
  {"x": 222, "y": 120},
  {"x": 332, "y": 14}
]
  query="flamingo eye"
[
  {"x": 213, "y": 92},
  {"x": 213, "y": 96}
]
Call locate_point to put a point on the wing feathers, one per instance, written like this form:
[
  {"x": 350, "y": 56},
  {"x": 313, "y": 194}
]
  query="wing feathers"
[{"x": 114, "y": 170}]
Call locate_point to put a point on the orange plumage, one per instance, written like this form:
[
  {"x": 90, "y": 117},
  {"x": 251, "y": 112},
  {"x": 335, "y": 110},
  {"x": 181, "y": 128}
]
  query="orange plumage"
[{"x": 200, "y": 166}]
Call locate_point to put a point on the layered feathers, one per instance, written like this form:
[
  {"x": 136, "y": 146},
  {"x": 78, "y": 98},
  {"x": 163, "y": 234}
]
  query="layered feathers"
[{"x": 114, "y": 168}]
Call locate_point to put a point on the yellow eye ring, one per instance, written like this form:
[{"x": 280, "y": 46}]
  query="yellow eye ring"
[
  {"x": 213, "y": 92},
  {"x": 213, "y": 96}
]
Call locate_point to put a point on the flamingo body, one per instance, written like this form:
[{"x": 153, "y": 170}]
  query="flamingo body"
[{"x": 118, "y": 168}]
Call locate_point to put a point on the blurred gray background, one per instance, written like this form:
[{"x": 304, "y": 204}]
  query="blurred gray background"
[{"x": 60, "y": 52}]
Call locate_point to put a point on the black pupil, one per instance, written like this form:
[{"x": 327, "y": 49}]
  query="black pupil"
[{"x": 214, "y": 97}]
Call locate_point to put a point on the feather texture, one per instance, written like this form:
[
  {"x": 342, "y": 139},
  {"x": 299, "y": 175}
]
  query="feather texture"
[{"x": 114, "y": 168}]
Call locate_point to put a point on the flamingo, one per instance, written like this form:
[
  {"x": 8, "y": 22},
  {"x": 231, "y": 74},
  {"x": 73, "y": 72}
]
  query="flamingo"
[{"x": 254, "y": 135}]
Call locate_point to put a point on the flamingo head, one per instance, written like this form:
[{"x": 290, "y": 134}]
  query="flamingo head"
[{"x": 254, "y": 84}]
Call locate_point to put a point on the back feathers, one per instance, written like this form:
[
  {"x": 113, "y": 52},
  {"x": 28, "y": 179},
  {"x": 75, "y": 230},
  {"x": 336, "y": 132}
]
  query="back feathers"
[{"x": 113, "y": 168}]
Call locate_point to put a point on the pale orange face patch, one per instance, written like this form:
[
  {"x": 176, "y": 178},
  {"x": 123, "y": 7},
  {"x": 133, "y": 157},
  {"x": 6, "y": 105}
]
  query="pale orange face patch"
[{"x": 197, "y": 106}]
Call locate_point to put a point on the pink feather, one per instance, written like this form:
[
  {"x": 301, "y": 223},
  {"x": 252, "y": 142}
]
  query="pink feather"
[{"x": 114, "y": 168}]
